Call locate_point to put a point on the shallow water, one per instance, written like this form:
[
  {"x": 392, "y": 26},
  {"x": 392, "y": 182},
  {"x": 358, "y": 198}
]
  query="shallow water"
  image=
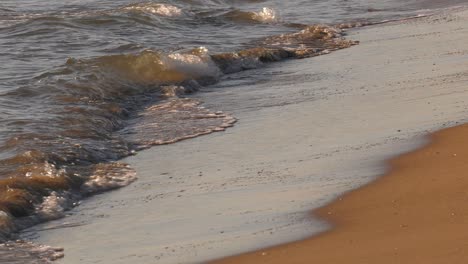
[{"x": 86, "y": 83}]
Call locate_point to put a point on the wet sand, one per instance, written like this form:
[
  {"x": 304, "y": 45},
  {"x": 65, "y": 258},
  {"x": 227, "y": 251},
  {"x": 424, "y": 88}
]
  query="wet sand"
[
  {"x": 308, "y": 131},
  {"x": 416, "y": 213}
]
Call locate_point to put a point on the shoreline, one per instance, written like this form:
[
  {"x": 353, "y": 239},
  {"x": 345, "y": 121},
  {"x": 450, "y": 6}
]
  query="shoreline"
[
  {"x": 409, "y": 215},
  {"x": 193, "y": 201},
  {"x": 414, "y": 213}
]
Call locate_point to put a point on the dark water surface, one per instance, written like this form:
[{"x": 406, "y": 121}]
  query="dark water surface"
[{"x": 86, "y": 83}]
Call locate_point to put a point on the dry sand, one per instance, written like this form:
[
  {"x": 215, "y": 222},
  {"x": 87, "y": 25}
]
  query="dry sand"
[{"x": 308, "y": 131}]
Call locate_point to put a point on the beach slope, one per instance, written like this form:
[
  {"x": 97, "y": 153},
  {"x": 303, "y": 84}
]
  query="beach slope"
[{"x": 416, "y": 213}]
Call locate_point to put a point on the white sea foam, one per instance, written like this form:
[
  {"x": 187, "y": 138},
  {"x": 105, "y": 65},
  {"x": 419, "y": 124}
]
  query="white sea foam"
[
  {"x": 4, "y": 215},
  {"x": 156, "y": 8},
  {"x": 42, "y": 253},
  {"x": 195, "y": 63},
  {"x": 53, "y": 206},
  {"x": 174, "y": 120},
  {"x": 109, "y": 176},
  {"x": 265, "y": 15}
]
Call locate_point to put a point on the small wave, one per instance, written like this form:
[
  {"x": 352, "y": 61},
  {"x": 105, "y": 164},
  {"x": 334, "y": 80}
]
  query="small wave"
[
  {"x": 357, "y": 24},
  {"x": 10, "y": 18},
  {"x": 151, "y": 67},
  {"x": 311, "y": 41},
  {"x": 91, "y": 17},
  {"x": 174, "y": 120},
  {"x": 266, "y": 15},
  {"x": 156, "y": 8}
]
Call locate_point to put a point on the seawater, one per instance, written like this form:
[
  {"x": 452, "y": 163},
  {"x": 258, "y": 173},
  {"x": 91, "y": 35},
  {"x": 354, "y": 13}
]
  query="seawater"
[{"x": 86, "y": 83}]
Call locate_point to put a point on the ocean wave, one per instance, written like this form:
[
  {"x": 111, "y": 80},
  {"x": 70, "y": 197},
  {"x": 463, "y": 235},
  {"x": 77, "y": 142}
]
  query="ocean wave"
[
  {"x": 91, "y": 17},
  {"x": 9, "y": 18},
  {"x": 154, "y": 67},
  {"x": 98, "y": 110}
]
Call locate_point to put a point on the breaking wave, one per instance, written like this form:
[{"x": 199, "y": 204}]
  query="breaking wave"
[{"x": 102, "y": 109}]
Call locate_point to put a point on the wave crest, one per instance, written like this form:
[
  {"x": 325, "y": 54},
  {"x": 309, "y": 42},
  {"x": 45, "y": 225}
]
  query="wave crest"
[
  {"x": 311, "y": 41},
  {"x": 151, "y": 67},
  {"x": 156, "y": 8},
  {"x": 266, "y": 15}
]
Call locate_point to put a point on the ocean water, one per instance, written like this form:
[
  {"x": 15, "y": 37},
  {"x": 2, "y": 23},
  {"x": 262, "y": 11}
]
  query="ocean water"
[{"x": 84, "y": 84}]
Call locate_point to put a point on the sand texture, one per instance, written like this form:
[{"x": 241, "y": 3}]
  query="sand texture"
[{"x": 417, "y": 213}]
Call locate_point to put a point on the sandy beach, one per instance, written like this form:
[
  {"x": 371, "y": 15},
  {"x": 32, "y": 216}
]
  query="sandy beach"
[
  {"x": 309, "y": 130},
  {"x": 416, "y": 213}
]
